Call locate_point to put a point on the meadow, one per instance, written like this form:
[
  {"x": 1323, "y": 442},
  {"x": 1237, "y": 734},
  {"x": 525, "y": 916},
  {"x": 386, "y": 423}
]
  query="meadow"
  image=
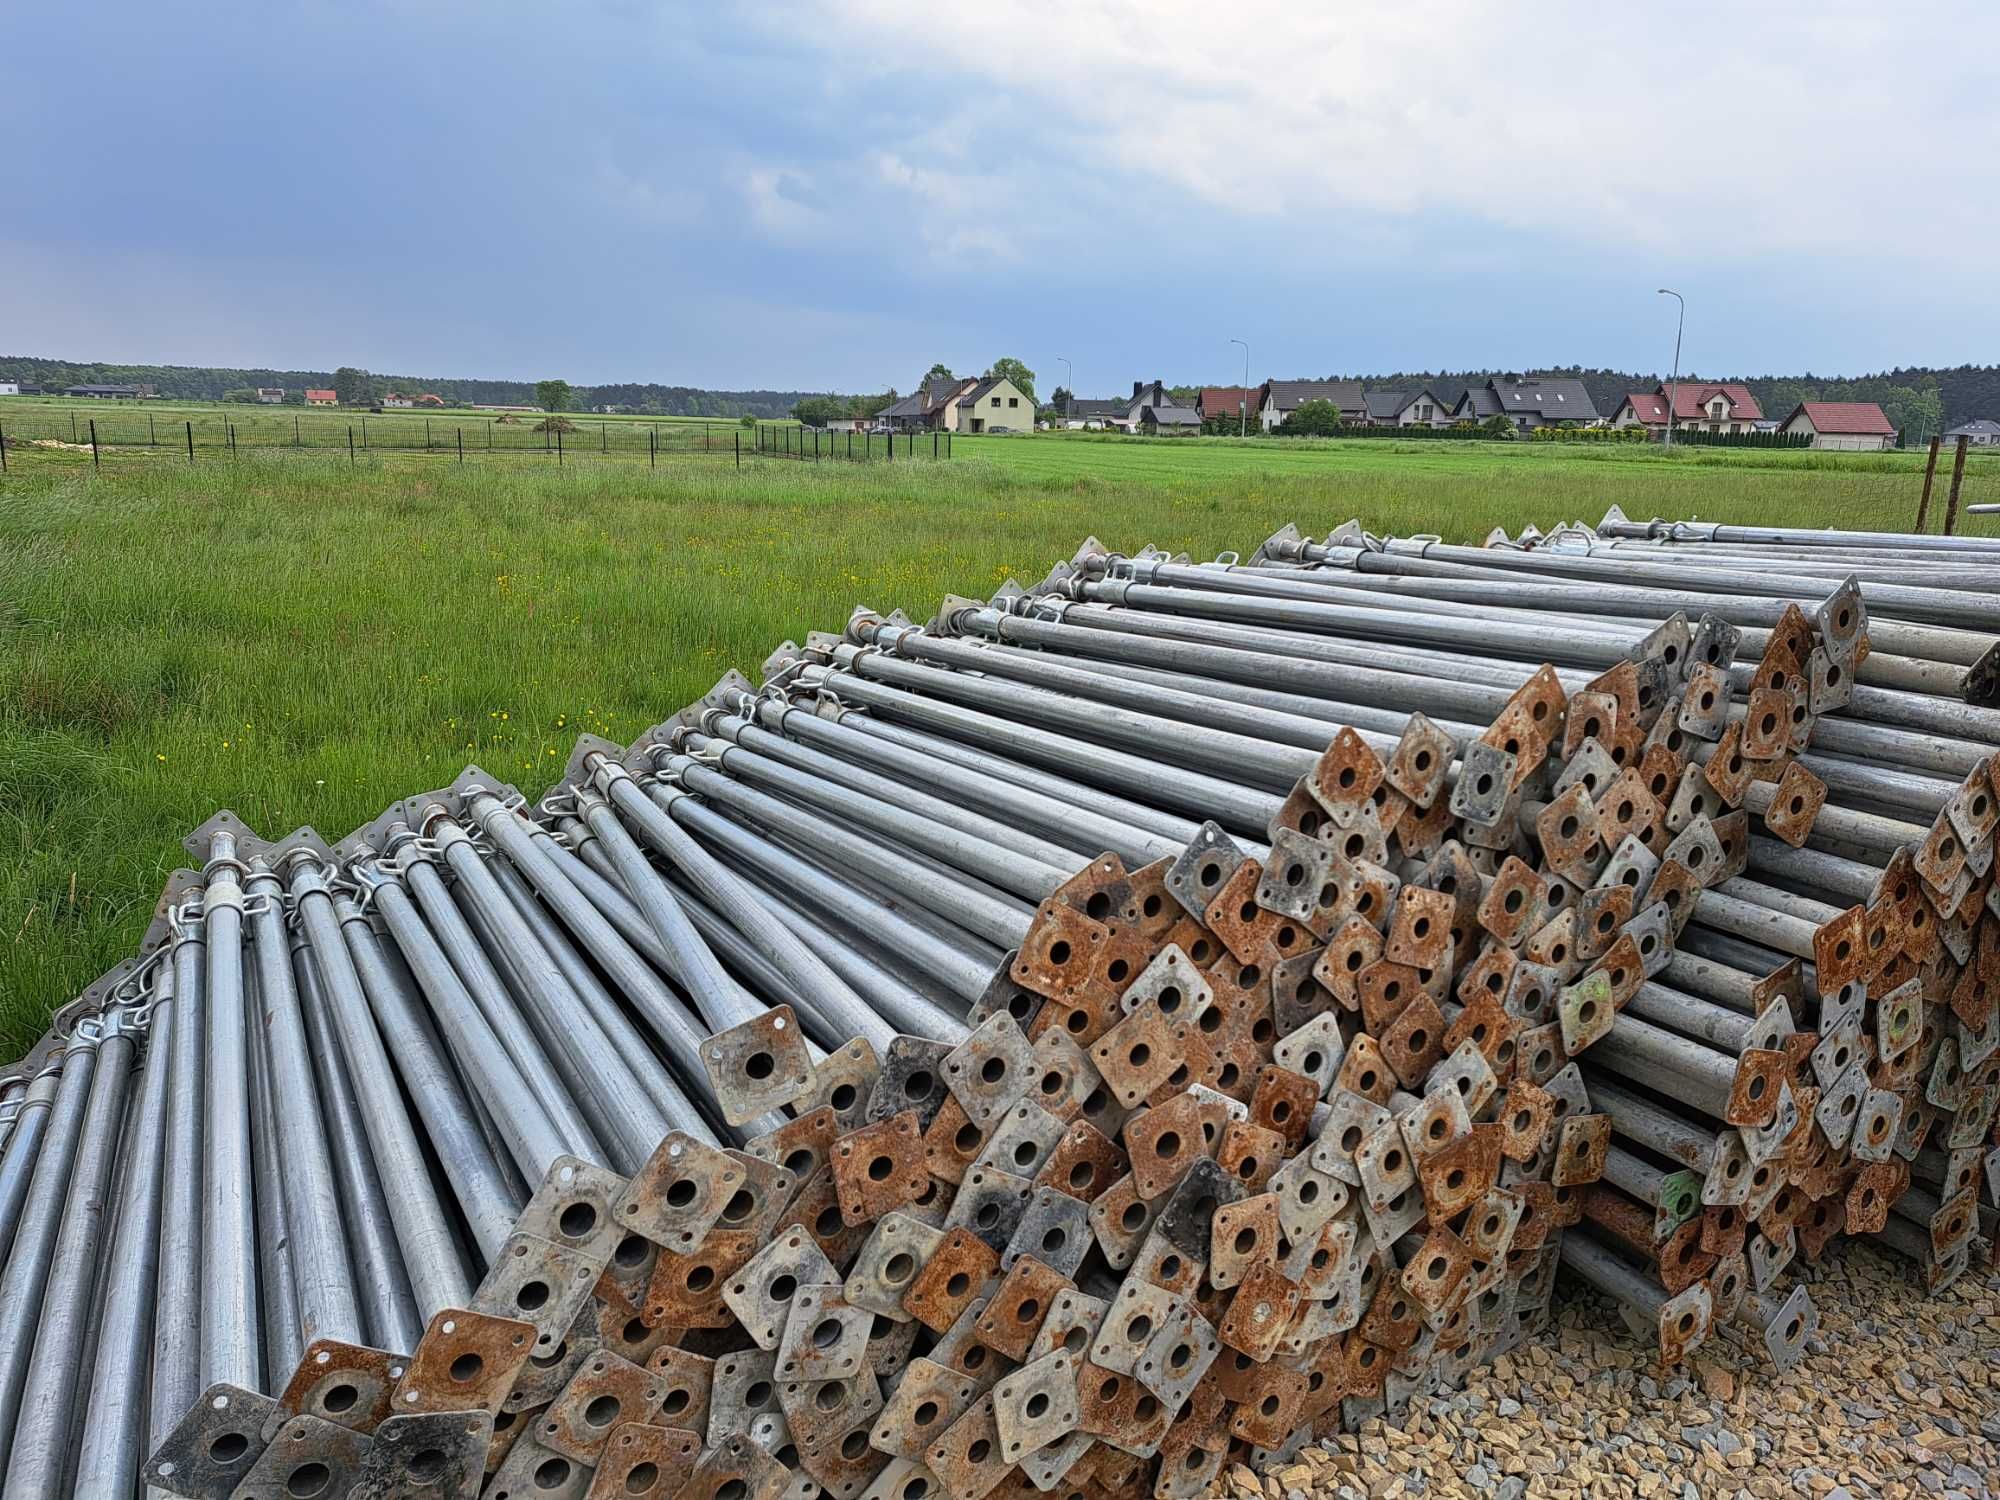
[
  {"x": 306, "y": 640},
  {"x": 162, "y": 429}
]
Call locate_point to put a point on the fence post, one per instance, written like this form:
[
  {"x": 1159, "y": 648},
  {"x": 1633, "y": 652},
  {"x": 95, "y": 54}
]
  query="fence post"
[
  {"x": 739, "y": 447},
  {"x": 427, "y": 434},
  {"x": 603, "y": 437},
  {"x": 232, "y": 438},
  {"x": 93, "y": 443},
  {"x": 3, "y": 450},
  {"x": 559, "y": 452},
  {"x": 947, "y": 445},
  {"x": 461, "y": 443},
  {"x": 1951, "y": 500},
  {"x": 72, "y": 425},
  {"x": 190, "y": 428},
  {"x": 364, "y": 432},
  {"x": 350, "y": 442},
  {"x": 934, "y": 445},
  {"x": 1930, "y": 470},
  {"x": 653, "y": 449},
  {"x": 297, "y": 441},
  {"x": 152, "y": 437}
]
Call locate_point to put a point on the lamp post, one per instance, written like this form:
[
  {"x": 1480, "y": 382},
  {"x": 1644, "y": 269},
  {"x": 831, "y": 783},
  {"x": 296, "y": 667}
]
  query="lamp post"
[
  {"x": 1243, "y": 401},
  {"x": 1069, "y": 390},
  {"x": 1674, "y": 390}
]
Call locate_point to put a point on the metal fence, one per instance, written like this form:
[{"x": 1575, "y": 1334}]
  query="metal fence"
[
  {"x": 814, "y": 444},
  {"x": 128, "y": 432}
]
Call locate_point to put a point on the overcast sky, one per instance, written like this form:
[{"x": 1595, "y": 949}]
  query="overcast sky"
[{"x": 834, "y": 195}]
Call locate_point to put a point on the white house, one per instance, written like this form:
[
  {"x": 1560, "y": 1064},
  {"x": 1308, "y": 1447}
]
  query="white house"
[
  {"x": 1698, "y": 406},
  {"x": 10, "y": 387},
  {"x": 1529, "y": 401},
  {"x": 1401, "y": 409},
  {"x": 1283, "y": 397},
  {"x": 1980, "y": 432},
  {"x": 1852, "y": 426}
]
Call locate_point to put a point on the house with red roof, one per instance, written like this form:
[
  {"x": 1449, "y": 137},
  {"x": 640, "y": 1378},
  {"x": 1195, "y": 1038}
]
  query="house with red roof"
[
  {"x": 1698, "y": 406},
  {"x": 321, "y": 398},
  {"x": 1228, "y": 402},
  {"x": 1855, "y": 426}
]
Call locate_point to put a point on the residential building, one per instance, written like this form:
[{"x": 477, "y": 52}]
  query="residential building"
[
  {"x": 396, "y": 398},
  {"x": 1404, "y": 409},
  {"x": 934, "y": 404},
  {"x": 1089, "y": 415},
  {"x": 1848, "y": 425},
  {"x": 1229, "y": 402},
  {"x": 1529, "y": 401},
  {"x": 1980, "y": 432},
  {"x": 1280, "y": 398},
  {"x": 271, "y": 395},
  {"x": 10, "y": 387},
  {"x": 108, "y": 392},
  {"x": 1169, "y": 421},
  {"x": 990, "y": 405},
  {"x": 1642, "y": 409},
  {"x": 322, "y": 398},
  {"x": 1698, "y": 406}
]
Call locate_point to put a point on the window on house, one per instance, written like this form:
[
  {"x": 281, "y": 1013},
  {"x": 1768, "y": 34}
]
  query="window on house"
[
  {"x": 996, "y": 400},
  {"x": 1013, "y": 400}
]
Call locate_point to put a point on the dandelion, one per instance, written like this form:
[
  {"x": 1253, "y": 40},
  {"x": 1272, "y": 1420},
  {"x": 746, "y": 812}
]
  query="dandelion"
[{"x": 158, "y": 756}]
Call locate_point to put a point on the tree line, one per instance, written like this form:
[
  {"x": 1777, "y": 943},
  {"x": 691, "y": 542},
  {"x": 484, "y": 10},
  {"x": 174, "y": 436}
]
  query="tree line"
[{"x": 219, "y": 382}]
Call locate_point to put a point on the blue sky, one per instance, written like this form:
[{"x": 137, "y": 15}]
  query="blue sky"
[{"x": 835, "y": 195}]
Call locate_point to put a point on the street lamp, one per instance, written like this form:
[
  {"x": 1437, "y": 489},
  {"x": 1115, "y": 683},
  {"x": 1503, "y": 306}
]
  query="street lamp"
[
  {"x": 1674, "y": 390},
  {"x": 1243, "y": 401},
  {"x": 1069, "y": 390}
]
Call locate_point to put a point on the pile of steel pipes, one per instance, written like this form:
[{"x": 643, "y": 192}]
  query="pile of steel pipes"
[{"x": 1163, "y": 1015}]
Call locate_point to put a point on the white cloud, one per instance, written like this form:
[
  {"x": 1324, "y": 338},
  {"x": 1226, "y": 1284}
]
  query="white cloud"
[
  {"x": 778, "y": 207},
  {"x": 1745, "y": 131},
  {"x": 645, "y": 200}
]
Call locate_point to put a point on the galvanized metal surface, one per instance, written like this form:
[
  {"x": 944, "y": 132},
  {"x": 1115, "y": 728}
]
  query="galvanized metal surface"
[{"x": 1104, "y": 1032}]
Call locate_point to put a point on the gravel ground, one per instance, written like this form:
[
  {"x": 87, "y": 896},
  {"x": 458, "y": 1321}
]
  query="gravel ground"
[{"x": 1898, "y": 1396}]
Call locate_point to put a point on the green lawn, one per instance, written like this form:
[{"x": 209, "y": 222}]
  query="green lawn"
[
  {"x": 305, "y": 641},
  {"x": 160, "y": 428}
]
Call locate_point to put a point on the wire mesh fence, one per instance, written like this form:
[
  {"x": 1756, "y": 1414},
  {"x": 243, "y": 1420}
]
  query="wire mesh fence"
[
  {"x": 121, "y": 432},
  {"x": 817, "y": 444}
]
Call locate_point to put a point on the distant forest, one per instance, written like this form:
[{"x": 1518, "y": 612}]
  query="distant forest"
[
  {"x": 1919, "y": 400},
  {"x": 206, "y": 383}
]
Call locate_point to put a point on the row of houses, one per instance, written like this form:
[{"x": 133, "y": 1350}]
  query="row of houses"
[
  {"x": 1527, "y": 401},
  {"x": 1524, "y": 401}
]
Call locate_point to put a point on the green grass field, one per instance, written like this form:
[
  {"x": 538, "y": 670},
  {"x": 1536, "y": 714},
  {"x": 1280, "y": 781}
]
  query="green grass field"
[
  {"x": 305, "y": 641},
  {"x": 160, "y": 429}
]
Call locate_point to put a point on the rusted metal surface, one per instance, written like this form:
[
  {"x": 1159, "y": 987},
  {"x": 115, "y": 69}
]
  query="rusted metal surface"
[{"x": 1240, "y": 1144}]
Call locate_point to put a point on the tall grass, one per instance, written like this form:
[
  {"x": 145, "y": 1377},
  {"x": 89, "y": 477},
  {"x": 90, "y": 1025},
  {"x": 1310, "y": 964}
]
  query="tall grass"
[{"x": 304, "y": 642}]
